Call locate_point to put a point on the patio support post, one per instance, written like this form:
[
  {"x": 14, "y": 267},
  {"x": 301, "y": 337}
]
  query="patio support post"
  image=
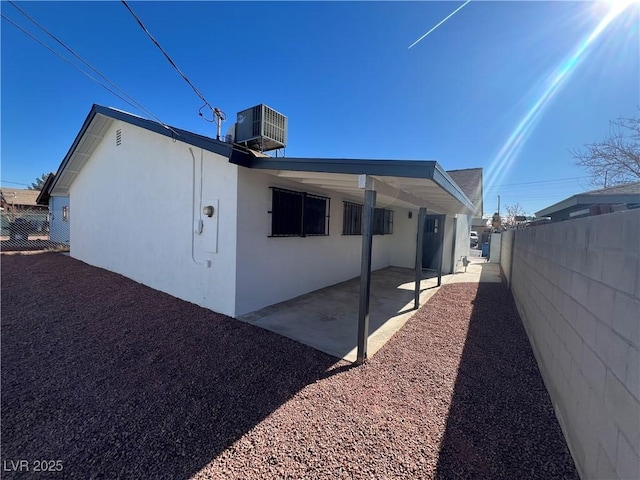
[
  {"x": 365, "y": 274},
  {"x": 422, "y": 215},
  {"x": 442, "y": 221}
]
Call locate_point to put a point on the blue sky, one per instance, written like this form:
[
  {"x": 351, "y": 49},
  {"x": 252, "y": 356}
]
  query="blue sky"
[{"x": 507, "y": 86}]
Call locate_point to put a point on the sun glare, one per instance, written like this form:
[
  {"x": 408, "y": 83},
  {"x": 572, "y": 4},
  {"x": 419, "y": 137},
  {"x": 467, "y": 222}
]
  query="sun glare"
[
  {"x": 508, "y": 153},
  {"x": 618, "y": 6}
]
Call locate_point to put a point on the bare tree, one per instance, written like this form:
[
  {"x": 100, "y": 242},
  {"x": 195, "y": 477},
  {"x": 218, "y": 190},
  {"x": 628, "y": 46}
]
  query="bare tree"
[
  {"x": 514, "y": 215},
  {"x": 616, "y": 159}
]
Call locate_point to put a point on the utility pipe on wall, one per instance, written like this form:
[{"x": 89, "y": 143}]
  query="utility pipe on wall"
[{"x": 196, "y": 229}]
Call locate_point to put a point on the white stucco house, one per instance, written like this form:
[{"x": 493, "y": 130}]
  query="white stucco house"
[{"x": 233, "y": 230}]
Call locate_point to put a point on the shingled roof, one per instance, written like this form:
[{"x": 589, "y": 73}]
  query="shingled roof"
[
  {"x": 19, "y": 197},
  {"x": 470, "y": 181}
]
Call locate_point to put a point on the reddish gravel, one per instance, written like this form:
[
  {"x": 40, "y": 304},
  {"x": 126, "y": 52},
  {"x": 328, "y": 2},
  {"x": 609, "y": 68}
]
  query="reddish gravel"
[{"x": 121, "y": 381}]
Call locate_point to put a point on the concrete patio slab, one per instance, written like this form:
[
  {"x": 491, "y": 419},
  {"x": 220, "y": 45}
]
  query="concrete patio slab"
[{"x": 327, "y": 319}]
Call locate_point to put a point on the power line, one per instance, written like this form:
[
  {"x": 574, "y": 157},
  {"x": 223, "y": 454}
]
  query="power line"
[
  {"x": 63, "y": 58},
  {"x": 131, "y": 101},
  {"x": 14, "y": 183},
  {"x": 538, "y": 182},
  {"x": 214, "y": 111}
]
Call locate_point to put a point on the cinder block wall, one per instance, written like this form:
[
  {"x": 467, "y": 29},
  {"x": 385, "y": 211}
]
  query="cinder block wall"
[
  {"x": 506, "y": 255},
  {"x": 576, "y": 285}
]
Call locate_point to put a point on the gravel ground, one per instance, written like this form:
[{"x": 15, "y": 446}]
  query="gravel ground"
[{"x": 120, "y": 381}]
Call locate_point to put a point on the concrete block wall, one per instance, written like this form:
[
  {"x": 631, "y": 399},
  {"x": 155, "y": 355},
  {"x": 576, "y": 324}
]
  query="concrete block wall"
[
  {"x": 576, "y": 285},
  {"x": 506, "y": 254},
  {"x": 495, "y": 247}
]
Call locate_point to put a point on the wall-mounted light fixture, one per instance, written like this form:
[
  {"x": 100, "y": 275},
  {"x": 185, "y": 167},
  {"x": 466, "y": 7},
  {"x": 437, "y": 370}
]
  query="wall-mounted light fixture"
[
  {"x": 410, "y": 214},
  {"x": 208, "y": 211}
]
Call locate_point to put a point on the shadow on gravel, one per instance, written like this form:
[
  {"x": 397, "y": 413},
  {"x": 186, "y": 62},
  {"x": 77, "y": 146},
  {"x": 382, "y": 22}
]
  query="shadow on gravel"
[
  {"x": 501, "y": 422},
  {"x": 115, "y": 379}
]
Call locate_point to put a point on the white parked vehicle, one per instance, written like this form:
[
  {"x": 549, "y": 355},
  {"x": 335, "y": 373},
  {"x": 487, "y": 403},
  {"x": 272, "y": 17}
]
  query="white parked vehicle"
[{"x": 474, "y": 238}]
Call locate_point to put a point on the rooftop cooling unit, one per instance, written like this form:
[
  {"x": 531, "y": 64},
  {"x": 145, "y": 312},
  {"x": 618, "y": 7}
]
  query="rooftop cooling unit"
[{"x": 261, "y": 128}]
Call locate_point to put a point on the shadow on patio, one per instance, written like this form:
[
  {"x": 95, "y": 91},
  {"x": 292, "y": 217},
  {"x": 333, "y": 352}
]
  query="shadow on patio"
[
  {"x": 116, "y": 379},
  {"x": 327, "y": 319}
]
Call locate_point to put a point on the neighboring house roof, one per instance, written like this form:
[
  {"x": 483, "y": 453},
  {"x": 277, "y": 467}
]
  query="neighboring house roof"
[
  {"x": 19, "y": 197},
  {"x": 43, "y": 197},
  {"x": 405, "y": 182},
  {"x": 470, "y": 180},
  {"x": 625, "y": 188},
  {"x": 619, "y": 194}
]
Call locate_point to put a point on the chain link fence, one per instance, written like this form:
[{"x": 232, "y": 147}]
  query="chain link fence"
[{"x": 32, "y": 230}]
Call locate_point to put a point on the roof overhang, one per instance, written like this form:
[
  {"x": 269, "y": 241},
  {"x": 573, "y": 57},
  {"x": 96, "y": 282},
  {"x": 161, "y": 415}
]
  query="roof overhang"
[
  {"x": 43, "y": 196},
  {"x": 406, "y": 183},
  {"x": 95, "y": 127},
  {"x": 403, "y": 183}
]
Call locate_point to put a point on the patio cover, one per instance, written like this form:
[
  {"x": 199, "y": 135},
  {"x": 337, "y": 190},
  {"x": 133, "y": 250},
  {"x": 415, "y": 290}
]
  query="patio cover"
[{"x": 404, "y": 183}]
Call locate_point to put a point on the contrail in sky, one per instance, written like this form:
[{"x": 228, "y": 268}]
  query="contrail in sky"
[{"x": 441, "y": 22}]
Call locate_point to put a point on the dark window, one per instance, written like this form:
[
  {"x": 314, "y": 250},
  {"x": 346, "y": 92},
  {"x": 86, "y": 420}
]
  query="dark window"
[
  {"x": 298, "y": 214},
  {"x": 352, "y": 220},
  {"x": 382, "y": 221}
]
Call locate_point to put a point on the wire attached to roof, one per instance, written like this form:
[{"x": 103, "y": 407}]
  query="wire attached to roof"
[
  {"x": 14, "y": 183},
  {"x": 129, "y": 99},
  {"x": 215, "y": 111}
]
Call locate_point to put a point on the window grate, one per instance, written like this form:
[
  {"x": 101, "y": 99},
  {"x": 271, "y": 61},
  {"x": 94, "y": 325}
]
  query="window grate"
[
  {"x": 382, "y": 221},
  {"x": 298, "y": 214},
  {"x": 352, "y": 220}
]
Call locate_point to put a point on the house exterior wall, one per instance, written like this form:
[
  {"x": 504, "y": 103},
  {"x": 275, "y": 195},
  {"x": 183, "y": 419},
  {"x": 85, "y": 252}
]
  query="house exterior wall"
[
  {"x": 59, "y": 230},
  {"x": 403, "y": 241},
  {"x": 135, "y": 209},
  {"x": 271, "y": 270},
  {"x": 576, "y": 285},
  {"x": 447, "y": 244},
  {"x": 461, "y": 242}
]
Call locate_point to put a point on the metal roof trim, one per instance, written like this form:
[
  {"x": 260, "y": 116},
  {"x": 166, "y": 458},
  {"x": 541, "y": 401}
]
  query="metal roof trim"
[
  {"x": 588, "y": 199},
  {"x": 423, "y": 169}
]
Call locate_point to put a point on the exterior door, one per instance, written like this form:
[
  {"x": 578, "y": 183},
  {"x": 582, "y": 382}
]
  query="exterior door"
[{"x": 432, "y": 242}]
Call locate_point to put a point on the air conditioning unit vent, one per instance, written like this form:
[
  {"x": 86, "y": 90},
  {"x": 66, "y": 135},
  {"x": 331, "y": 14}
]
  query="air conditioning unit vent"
[{"x": 261, "y": 128}]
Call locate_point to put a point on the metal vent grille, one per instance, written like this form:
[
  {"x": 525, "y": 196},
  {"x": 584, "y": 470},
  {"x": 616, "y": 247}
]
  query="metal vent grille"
[
  {"x": 261, "y": 127},
  {"x": 118, "y": 137}
]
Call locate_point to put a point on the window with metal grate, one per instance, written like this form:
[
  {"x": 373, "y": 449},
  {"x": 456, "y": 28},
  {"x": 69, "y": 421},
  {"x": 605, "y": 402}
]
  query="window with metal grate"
[
  {"x": 298, "y": 214},
  {"x": 352, "y": 220}
]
